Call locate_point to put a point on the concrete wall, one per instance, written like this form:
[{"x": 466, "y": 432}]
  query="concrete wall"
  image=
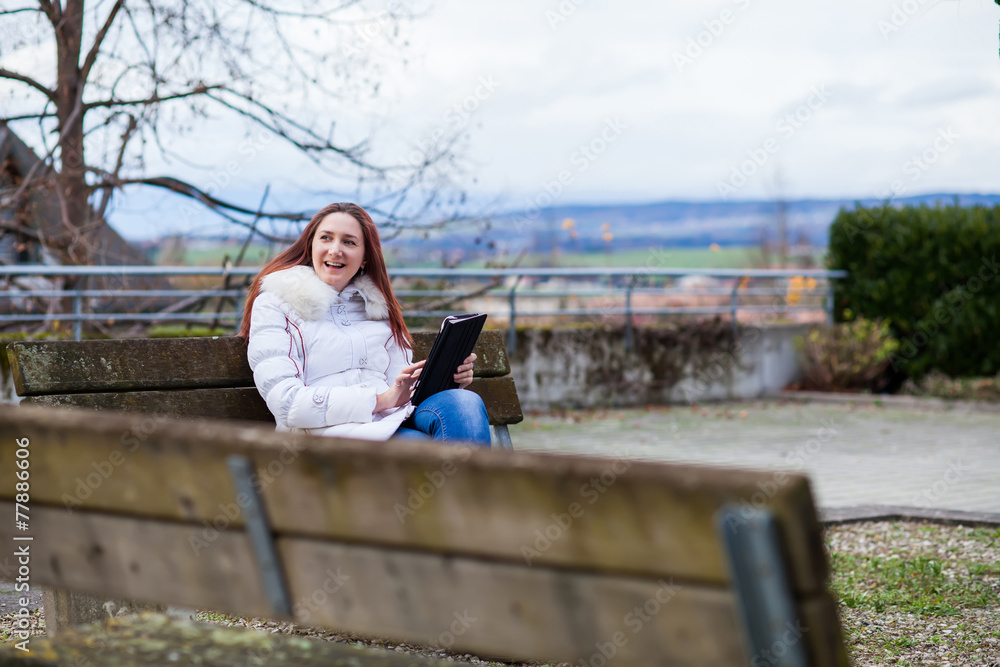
[{"x": 583, "y": 368}]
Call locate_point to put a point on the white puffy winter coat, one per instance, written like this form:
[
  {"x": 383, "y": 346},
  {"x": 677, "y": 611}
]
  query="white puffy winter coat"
[{"x": 320, "y": 357}]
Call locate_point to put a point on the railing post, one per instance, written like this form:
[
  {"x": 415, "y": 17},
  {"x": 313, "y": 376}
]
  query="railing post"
[
  {"x": 241, "y": 300},
  {"x": 734, "y": 300},
  {"x": 512, "y": 331},
  {"x": 78, "y": 311},
  {"x": 829, "y": 301},
  {"x": 628, "y": 313}
]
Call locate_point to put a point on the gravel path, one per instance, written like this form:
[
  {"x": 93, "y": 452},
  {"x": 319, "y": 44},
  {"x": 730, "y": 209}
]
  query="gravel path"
[
  {"x": 853, "y": 454},
  {"x": 11, "y": 599}
]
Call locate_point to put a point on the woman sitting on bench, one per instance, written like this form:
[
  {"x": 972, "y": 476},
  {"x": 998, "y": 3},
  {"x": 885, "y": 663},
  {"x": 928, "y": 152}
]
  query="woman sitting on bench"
[{"x": 328, "y": 346}]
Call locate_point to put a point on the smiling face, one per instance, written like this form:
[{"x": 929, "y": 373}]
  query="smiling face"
[{"x": 338, "y": 249}]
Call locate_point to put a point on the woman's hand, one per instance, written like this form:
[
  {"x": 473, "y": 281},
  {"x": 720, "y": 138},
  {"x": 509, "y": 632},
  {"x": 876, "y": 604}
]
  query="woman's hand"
[
  {"x": 463, "y": 375},
  {"x": 399, "y": 392}
]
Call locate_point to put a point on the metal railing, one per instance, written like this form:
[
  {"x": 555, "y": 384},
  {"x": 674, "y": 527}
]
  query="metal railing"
[{"x": 812, "y": 291}]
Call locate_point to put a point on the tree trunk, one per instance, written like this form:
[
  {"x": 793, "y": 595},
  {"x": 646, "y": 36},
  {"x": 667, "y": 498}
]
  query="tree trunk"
[
  {"x": 41, "y": 210},
  {"x": 76, "y": 216}
]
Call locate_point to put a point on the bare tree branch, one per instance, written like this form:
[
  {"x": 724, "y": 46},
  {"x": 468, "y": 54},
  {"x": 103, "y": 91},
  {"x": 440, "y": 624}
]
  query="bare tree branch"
[
  {"x": 126, "y": 136},
  {"x": 20, "y": 229},
  {"x": 448, "y": 301},
  {"x": 54, "y": 12},
  {"x": 227, "y": 278},
  {"x": 18, "y": 11},
  {"x": 253, "y": 230},
  {"x": 14, "y": 76},
  {"x": 139, "y": 84},
  {"x": 317, "y": 145},
  {"x": 28, "y": 116},
  {"x": 302, "y": 15},
  {"x": 155, "y": 99},
  {"x": 219, "y": 207},
  {"x": 188, "y": 190},
  {"x": 91, "y": 58}
]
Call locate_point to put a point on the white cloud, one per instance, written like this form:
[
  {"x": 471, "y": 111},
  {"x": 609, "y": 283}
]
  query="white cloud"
[{"x": 888, "y": 93}]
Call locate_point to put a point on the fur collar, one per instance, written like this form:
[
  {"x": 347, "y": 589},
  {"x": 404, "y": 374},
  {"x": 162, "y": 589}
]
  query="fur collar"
[{"x": 311, "y": 298}]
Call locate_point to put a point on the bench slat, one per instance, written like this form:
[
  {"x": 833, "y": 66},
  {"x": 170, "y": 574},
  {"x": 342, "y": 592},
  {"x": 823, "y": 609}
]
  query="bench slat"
[
  {"x": 66, "y": 367},
  {"x": 140, "y": 364},
  {"x": 532, "y": 613},
  {"x": 245, "y": 403},
  {"x": 632, "y": 517},
  {"x": 498, "y": 394},
  {"x": 485, "y": 607},
  {"x": 521, "y": 613},
  {"x": 500, "y": 397},
  {"x": 151, "y": 560}
]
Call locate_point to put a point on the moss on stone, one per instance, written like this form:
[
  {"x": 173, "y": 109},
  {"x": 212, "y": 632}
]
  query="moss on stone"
[
  {"x": 158, "y": 640},
  {"x": 668, "y": 354}
]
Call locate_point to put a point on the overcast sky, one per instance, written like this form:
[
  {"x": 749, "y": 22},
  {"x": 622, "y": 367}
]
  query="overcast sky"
[
  {"x": 600, "y": 101},
  {"x": 699, "y": 88}
]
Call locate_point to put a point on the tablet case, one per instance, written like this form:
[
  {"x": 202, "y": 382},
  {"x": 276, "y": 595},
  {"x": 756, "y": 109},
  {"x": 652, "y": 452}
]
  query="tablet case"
[{"x": 454, "y": 342}]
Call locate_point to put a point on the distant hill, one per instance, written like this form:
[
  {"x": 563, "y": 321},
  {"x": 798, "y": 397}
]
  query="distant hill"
[
  {"x": 667, "y": 223},
  {"x": 694, "y": 224}
]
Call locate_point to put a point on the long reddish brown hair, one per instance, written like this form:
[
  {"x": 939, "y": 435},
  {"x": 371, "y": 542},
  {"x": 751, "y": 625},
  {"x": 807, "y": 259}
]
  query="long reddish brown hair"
[{"x": 300, "y": 254}]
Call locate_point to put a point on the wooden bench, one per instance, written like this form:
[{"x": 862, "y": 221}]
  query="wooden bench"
[
  {"x": 508, "y": 555},
  {"x": 191, "y": 378},
  {"x": 204, "y": 377}
]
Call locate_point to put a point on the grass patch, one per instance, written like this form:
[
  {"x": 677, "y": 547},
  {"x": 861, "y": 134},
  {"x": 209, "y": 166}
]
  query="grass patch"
[
  {"x": 953, "y": 570},
  {"x": 909, "y": 592},
  {"x": 938, "y": 385},
  {"x": 728, "y": 257},
  {"x": 184, "y": 331},
  {"x": 984, "y": 569},
  {"x": 681, "y": 257},
  {"x": 918, "y": 585}
]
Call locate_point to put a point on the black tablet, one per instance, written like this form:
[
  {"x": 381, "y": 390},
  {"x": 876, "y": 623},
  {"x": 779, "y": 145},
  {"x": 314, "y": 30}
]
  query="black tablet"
[{"x": 454, "y": 342}]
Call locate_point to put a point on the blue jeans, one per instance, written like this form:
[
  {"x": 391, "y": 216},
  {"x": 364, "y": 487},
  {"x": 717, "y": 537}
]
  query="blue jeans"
[{"x": 455, "y": 414}]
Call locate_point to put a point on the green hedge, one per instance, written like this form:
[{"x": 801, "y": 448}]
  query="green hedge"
[{"x": 932, "y": 272}]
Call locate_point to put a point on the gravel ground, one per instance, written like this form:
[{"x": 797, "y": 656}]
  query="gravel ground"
[
  {"x": 949, "y": 618},
  {"x": 960, "y": 624}
]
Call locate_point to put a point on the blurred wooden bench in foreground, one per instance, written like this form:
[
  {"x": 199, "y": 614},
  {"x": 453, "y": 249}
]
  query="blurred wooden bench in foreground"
[{"x": 504, "y": 555}]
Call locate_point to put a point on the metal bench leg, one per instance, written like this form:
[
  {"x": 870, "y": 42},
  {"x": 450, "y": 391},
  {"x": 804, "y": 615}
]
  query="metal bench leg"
[
  {"x": 502, "y": 437},
  {"x": 771, "y": 625},
  {"x": 259, "y": 530}
]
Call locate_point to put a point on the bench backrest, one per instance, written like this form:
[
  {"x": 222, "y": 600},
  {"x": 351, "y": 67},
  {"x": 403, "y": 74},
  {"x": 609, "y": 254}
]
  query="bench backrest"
[
  {"x": 199, "y": 377},
  {"x": 513, "y": 555}
]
